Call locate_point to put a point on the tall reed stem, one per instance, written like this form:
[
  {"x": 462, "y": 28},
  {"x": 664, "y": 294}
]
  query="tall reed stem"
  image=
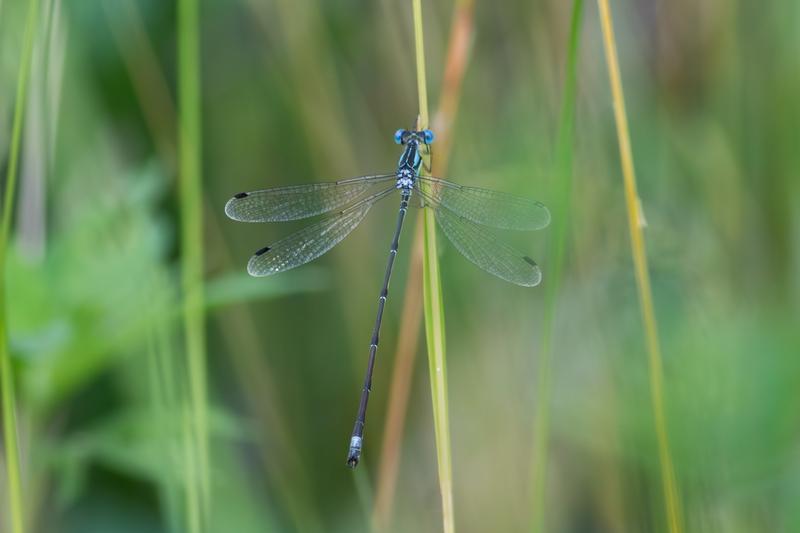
[
  {"x": 16, "y": 505},
  {"x": 563, "y": 175},
  {"x": 434, "y": 310},
  {"x": 190, "y": 182},
  {"x": 671, "y": 496},
  {"x": 455, "y": 67}
]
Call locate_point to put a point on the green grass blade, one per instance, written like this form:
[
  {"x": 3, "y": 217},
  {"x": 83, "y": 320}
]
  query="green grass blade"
[
  {"x": 16, "y": 503},
  {"x": 458, "y": 56},
  {"x": 434, "y": 311},
  {"x": 632, "y": 204},
  {"x": 437, "y": 365},
  {"x": 562, "y": 208},
  {"x": 192, "y": 237},
  {"x": 191, "y": 481}
]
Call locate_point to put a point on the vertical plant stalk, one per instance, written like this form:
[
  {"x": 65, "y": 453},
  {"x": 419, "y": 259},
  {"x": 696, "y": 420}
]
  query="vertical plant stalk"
[
  {"x": 161, "y": 401},
  {"x": 563, "y": 175},
  {"x": 455, "y": 67},
  {"x": 16, "y": 505},
  {"x": 434, "y": 309},
  {"x": 190, "y": 480},
  {"x": 458, "y": 55},
  {"x": 190, "y": 183},
  {"x": 141, "y": 62},
  {"x": 671, "y": 496}
]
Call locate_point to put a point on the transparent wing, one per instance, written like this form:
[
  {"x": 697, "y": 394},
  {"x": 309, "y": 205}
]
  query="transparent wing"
[
  {"x": 487, "y": 207},
  {"x": 281, "y": 204},
  {"x": 312, "y": 241},
  {"x": 482, "y": 248}
]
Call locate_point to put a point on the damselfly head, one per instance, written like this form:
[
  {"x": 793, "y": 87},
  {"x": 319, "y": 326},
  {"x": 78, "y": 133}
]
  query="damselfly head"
[{"x": 422, "y": 137}]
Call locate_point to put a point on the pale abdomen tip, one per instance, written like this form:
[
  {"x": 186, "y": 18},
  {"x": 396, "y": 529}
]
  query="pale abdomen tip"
[{"x": 355, "y": 452}]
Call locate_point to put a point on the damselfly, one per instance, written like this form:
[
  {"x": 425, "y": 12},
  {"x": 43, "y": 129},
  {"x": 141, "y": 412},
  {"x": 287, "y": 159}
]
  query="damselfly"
[{"x": 463, "y": 213}]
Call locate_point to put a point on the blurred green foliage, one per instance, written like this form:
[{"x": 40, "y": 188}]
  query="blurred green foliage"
[{"x": 298, "y": 91}]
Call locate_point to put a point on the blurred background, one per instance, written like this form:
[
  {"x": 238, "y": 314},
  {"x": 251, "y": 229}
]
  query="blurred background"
[{"x": 304, "y": 90}]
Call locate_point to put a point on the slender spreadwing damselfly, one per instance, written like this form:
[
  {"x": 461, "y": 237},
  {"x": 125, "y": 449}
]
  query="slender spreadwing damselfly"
[{"x": 463, "y": 214}]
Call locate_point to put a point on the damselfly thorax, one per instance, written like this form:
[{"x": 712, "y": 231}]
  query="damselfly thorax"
[{"x": 410, "y": 161}]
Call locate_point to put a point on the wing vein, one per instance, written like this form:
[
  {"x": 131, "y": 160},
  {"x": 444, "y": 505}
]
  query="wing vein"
[
  {"x": 310, "y": 242},
  {"x": 295, "y": 202},
  {"x": 487, "y": 207},
  {"x": 483, "y": 249}
]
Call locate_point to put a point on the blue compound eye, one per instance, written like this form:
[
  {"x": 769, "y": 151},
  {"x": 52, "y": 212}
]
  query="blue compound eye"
[
  {"x": 429, "y": 136},
  {"x": 398, "y": 136}
]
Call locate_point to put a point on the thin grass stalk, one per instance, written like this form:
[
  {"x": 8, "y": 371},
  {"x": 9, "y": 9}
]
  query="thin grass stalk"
[
  {"x": 30, "y": 226},
  {"x": 458, "y": 55},
  {"x": 166, "y": 399},
  {"x": 255, "y": 376},
  {"x": 635, "y": 218},
  {"x": 159, "y": 111},
  {"x": 16, "y": 503},
  {"x": 455, "y": 67},
  {"x": 159, "y": 406},
  {"x": 152, "y": 92},
  {"x": 190, "y": 184},
  {"x": 563, "y": 175},
  {"x": 150, "y": 85},
  {"x": 434, "y": 309},
  {"x": 312, "y": 79},
  {"x": 190, "y": 471},
  {"x": 153, "y": 95}
]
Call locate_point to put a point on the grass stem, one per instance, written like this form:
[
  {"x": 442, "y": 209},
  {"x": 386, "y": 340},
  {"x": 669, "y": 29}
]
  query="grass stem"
[
  {"x": 190, "y": 471},
  {"x": 190, "y": 184},
  {"x": 16, "y": 505},
  {"x": 455, "y": 66},
  {"x": 148, "y": 81},
  {"x": 562, "y": 208},
  {"x": 671, "y": 496},
  {"x": 434, "y": 310}
]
